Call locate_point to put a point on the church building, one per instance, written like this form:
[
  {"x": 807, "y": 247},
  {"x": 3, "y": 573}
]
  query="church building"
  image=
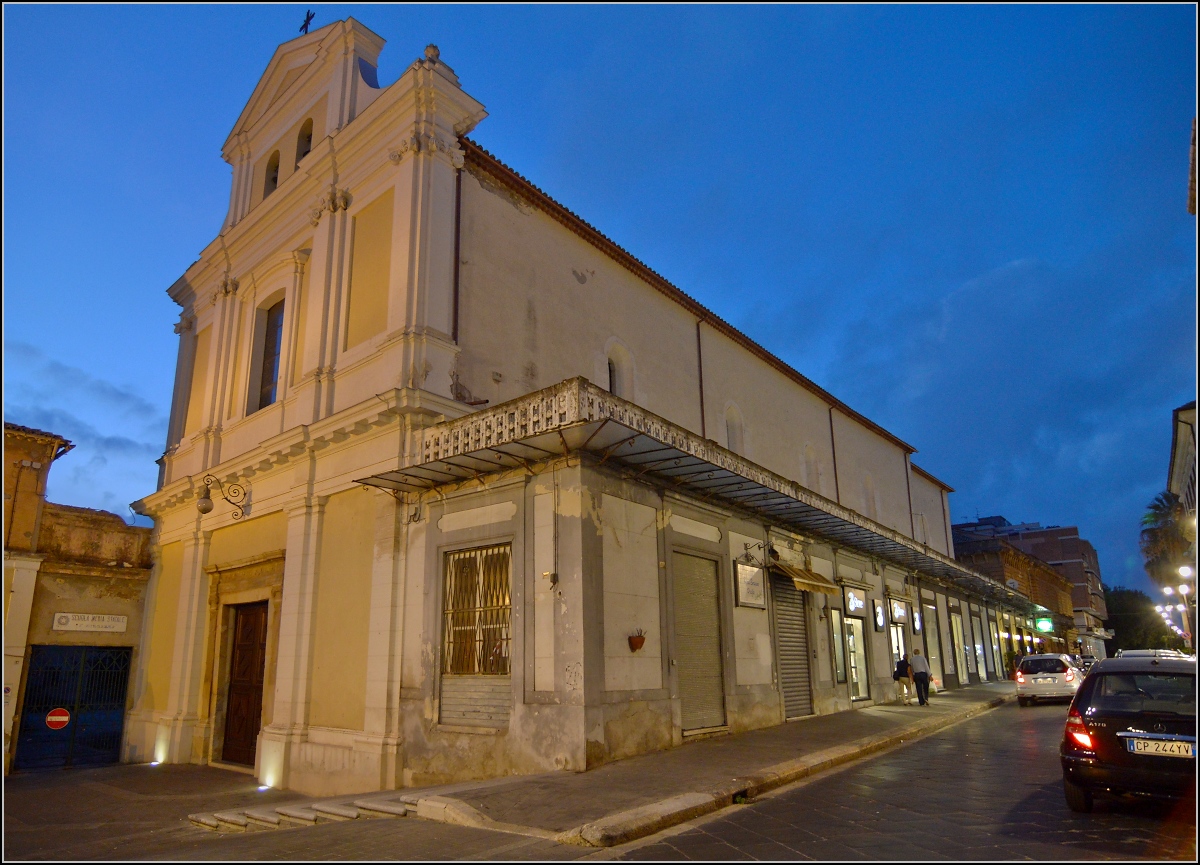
[{"x": 455, "y": 487}]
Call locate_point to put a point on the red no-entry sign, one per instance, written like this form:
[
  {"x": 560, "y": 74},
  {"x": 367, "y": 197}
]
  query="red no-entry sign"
[{"x": 56, "y": 719}]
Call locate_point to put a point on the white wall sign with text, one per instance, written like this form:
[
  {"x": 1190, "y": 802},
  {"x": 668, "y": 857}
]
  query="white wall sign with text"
[{"x": 90, "y": 622}]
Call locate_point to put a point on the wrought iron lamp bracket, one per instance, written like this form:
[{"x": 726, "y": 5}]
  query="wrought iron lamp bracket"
[{"x": 234, "y": 494}]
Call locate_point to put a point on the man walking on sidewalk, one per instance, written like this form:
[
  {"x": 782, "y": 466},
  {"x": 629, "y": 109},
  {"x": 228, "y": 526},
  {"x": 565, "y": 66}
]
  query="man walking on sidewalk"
[{"x": 920, "y": 674}]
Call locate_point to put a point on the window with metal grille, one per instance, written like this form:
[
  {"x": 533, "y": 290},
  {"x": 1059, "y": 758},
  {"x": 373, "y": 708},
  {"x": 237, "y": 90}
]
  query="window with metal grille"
[{"x": 478, "y": 611}]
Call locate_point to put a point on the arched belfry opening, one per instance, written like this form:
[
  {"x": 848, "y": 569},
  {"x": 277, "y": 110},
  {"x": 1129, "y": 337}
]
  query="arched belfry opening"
[
  {"x": 271, "y": 181},
  {"x": 304, "y": 141}
]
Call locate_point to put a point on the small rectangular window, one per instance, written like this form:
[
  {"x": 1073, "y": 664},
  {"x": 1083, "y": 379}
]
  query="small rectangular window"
[
  {"x": 272, "y": 346},
  {"x": 839, "y": 645}
]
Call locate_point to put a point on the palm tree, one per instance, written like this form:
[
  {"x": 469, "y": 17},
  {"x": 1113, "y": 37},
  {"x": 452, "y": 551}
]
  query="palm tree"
[{"x": 1163, "y": 540}]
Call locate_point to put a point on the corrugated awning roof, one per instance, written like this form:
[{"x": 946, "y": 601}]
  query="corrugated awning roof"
[{"x": 575, "y": 416}]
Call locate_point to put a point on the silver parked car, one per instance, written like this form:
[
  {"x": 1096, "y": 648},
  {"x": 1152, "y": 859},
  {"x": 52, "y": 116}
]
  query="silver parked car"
[{"x": 1047, "y": 677}]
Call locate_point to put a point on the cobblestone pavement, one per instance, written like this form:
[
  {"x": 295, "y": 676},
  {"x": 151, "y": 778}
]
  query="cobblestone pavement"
[{"x": 987, "y": 789}]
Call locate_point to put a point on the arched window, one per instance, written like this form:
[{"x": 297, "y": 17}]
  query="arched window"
[
  {"x": 304, "y": 141},
  {"x": 271, "y": 183},
  {"x": 272, "y": 346},
  {"x": 620, "y": 371},
  {"x": 734, "y": 430}
]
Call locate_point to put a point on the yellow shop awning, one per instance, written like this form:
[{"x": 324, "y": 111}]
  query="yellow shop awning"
[{"x": 806, "y": 580}]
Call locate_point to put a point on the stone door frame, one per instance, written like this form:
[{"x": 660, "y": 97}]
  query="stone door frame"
[{"x": 244, "y": 581}]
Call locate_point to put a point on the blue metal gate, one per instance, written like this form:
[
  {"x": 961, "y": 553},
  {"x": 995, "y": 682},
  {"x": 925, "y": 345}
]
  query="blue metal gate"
[{"x": 89, "y": 682}]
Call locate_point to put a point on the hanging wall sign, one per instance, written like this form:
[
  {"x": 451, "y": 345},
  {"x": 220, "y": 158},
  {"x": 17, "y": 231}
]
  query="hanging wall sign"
[
  {"x": 880, "y": 619},
  {"x": 856, "y": 602},
  {"x": 899, "y": 611},
  {"x": 916, "y": 621},
  {"x": 751, "y": 587}
]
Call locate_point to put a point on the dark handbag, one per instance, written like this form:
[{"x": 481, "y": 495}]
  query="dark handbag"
[{"x": 895, "y": 675}]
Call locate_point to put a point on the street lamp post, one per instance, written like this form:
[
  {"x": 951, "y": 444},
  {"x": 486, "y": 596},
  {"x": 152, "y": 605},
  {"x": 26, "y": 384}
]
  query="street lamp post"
[{"x": 1184, "y": 590}]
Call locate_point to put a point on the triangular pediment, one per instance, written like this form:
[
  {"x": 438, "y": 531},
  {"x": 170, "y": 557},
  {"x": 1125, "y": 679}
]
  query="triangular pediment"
[{"x": 287, "y": 66}]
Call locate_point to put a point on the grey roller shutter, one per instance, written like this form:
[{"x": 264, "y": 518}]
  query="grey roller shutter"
[
  {"x": 791, "y": 635},
  {"x": 698, "y": 643}
]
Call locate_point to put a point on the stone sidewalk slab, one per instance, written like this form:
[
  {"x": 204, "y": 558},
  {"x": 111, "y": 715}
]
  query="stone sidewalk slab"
[
  {"x": 740, "y": 765},
  {"x": 637, "y": 797}
]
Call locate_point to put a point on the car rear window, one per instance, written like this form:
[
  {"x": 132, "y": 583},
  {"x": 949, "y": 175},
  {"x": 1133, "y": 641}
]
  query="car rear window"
[
  {"x": 1043, "y": 665},
  {"x": 1145, "y": 692}
]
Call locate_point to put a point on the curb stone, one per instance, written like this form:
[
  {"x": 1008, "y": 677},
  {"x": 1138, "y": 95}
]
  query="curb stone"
[
  {"x": 607, "y": 831},
  {"x": 636, "y": 823}
]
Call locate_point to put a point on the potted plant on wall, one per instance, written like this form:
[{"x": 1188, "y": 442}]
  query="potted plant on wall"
[{"x": 637, "y": 639}]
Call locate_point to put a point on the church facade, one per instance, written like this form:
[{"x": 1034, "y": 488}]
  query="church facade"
[{"x": 455, "y": 487}]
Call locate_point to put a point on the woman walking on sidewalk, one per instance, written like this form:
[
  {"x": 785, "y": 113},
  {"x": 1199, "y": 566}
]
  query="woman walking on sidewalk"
[
  {"x": 903, "y": 675},
  {"x": 920, "y": 674}
]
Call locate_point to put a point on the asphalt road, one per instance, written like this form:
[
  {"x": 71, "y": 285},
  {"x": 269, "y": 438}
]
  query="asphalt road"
[{"x": 988, "y": 788}]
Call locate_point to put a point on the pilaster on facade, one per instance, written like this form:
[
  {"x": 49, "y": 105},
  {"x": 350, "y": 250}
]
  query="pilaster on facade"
[
  {"x": 180, "y": 737},
  {"x": 23, "y": 568}
]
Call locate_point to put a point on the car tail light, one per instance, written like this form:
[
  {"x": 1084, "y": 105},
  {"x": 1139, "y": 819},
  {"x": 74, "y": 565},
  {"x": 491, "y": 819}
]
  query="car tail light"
[
  {"x": 1077, "y": 731},
  {"x": 1070, "y": 677},
  {"x": 1020, "y": 678}
]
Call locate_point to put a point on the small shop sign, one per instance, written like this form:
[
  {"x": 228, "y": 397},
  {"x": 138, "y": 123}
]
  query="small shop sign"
[
  {"x": 856, "y": 602},
  {"x": 880, "y": 620},
  {"x": 90, "y": 622},
  {"x": 751, "y": 587},
  {"x": 899, "y": 611},
  {"x": 1045, "y": 625}
]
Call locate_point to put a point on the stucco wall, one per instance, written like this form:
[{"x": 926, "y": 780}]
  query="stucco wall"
[
  {"x": 631, "y": 595},
  {"x": 927, "y": 501},
  {"x": 539, "y": 305},
  {"x": 249, "y": 538},
  {"x": 343, "y": 600},
  {"x": 164, "y": 621}
]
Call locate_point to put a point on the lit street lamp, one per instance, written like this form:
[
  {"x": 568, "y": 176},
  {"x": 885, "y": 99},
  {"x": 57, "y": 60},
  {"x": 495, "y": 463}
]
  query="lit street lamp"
[{"x": 1182, "y": 608}]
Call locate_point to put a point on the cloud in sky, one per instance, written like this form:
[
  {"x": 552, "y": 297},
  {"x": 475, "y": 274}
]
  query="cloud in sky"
[{"x": 118, "y": 433}]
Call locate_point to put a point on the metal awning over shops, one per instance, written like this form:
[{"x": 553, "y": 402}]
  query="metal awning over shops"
[{"x": 577, "y": 417}]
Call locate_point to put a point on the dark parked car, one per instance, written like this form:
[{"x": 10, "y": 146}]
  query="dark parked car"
[{"x": 1131, "y": 729}]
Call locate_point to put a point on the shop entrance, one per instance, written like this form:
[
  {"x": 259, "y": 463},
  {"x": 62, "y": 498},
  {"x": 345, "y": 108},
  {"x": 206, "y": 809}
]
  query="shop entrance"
[
  {"x": 74, "y": 708},
  {"x": 791, "y": 635},
  {"x": 243, "y": 718},
  {"x": 933, "y": 649},
  {"x": 698, "y": 642},
  {"x": 962, "y": 651},
  {"x": 856, "y": 649}
]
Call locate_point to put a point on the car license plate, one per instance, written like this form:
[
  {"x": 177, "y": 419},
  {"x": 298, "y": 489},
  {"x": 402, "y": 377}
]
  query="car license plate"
[
  {"x": 1162, "y": 748},
  {"x": 1043, "y": 681}
]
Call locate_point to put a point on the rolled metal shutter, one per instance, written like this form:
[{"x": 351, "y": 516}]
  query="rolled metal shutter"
[
  {"x": 698, "y": 643},
  {"x": 791, "y": 636}
]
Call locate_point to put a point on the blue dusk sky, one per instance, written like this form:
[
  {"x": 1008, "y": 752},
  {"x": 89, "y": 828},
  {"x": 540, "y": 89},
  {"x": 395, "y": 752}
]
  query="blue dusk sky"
[{"x": 968, "y": 223}]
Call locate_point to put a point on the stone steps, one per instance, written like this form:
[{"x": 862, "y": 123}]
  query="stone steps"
[{"x": 299, "y": 814}]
